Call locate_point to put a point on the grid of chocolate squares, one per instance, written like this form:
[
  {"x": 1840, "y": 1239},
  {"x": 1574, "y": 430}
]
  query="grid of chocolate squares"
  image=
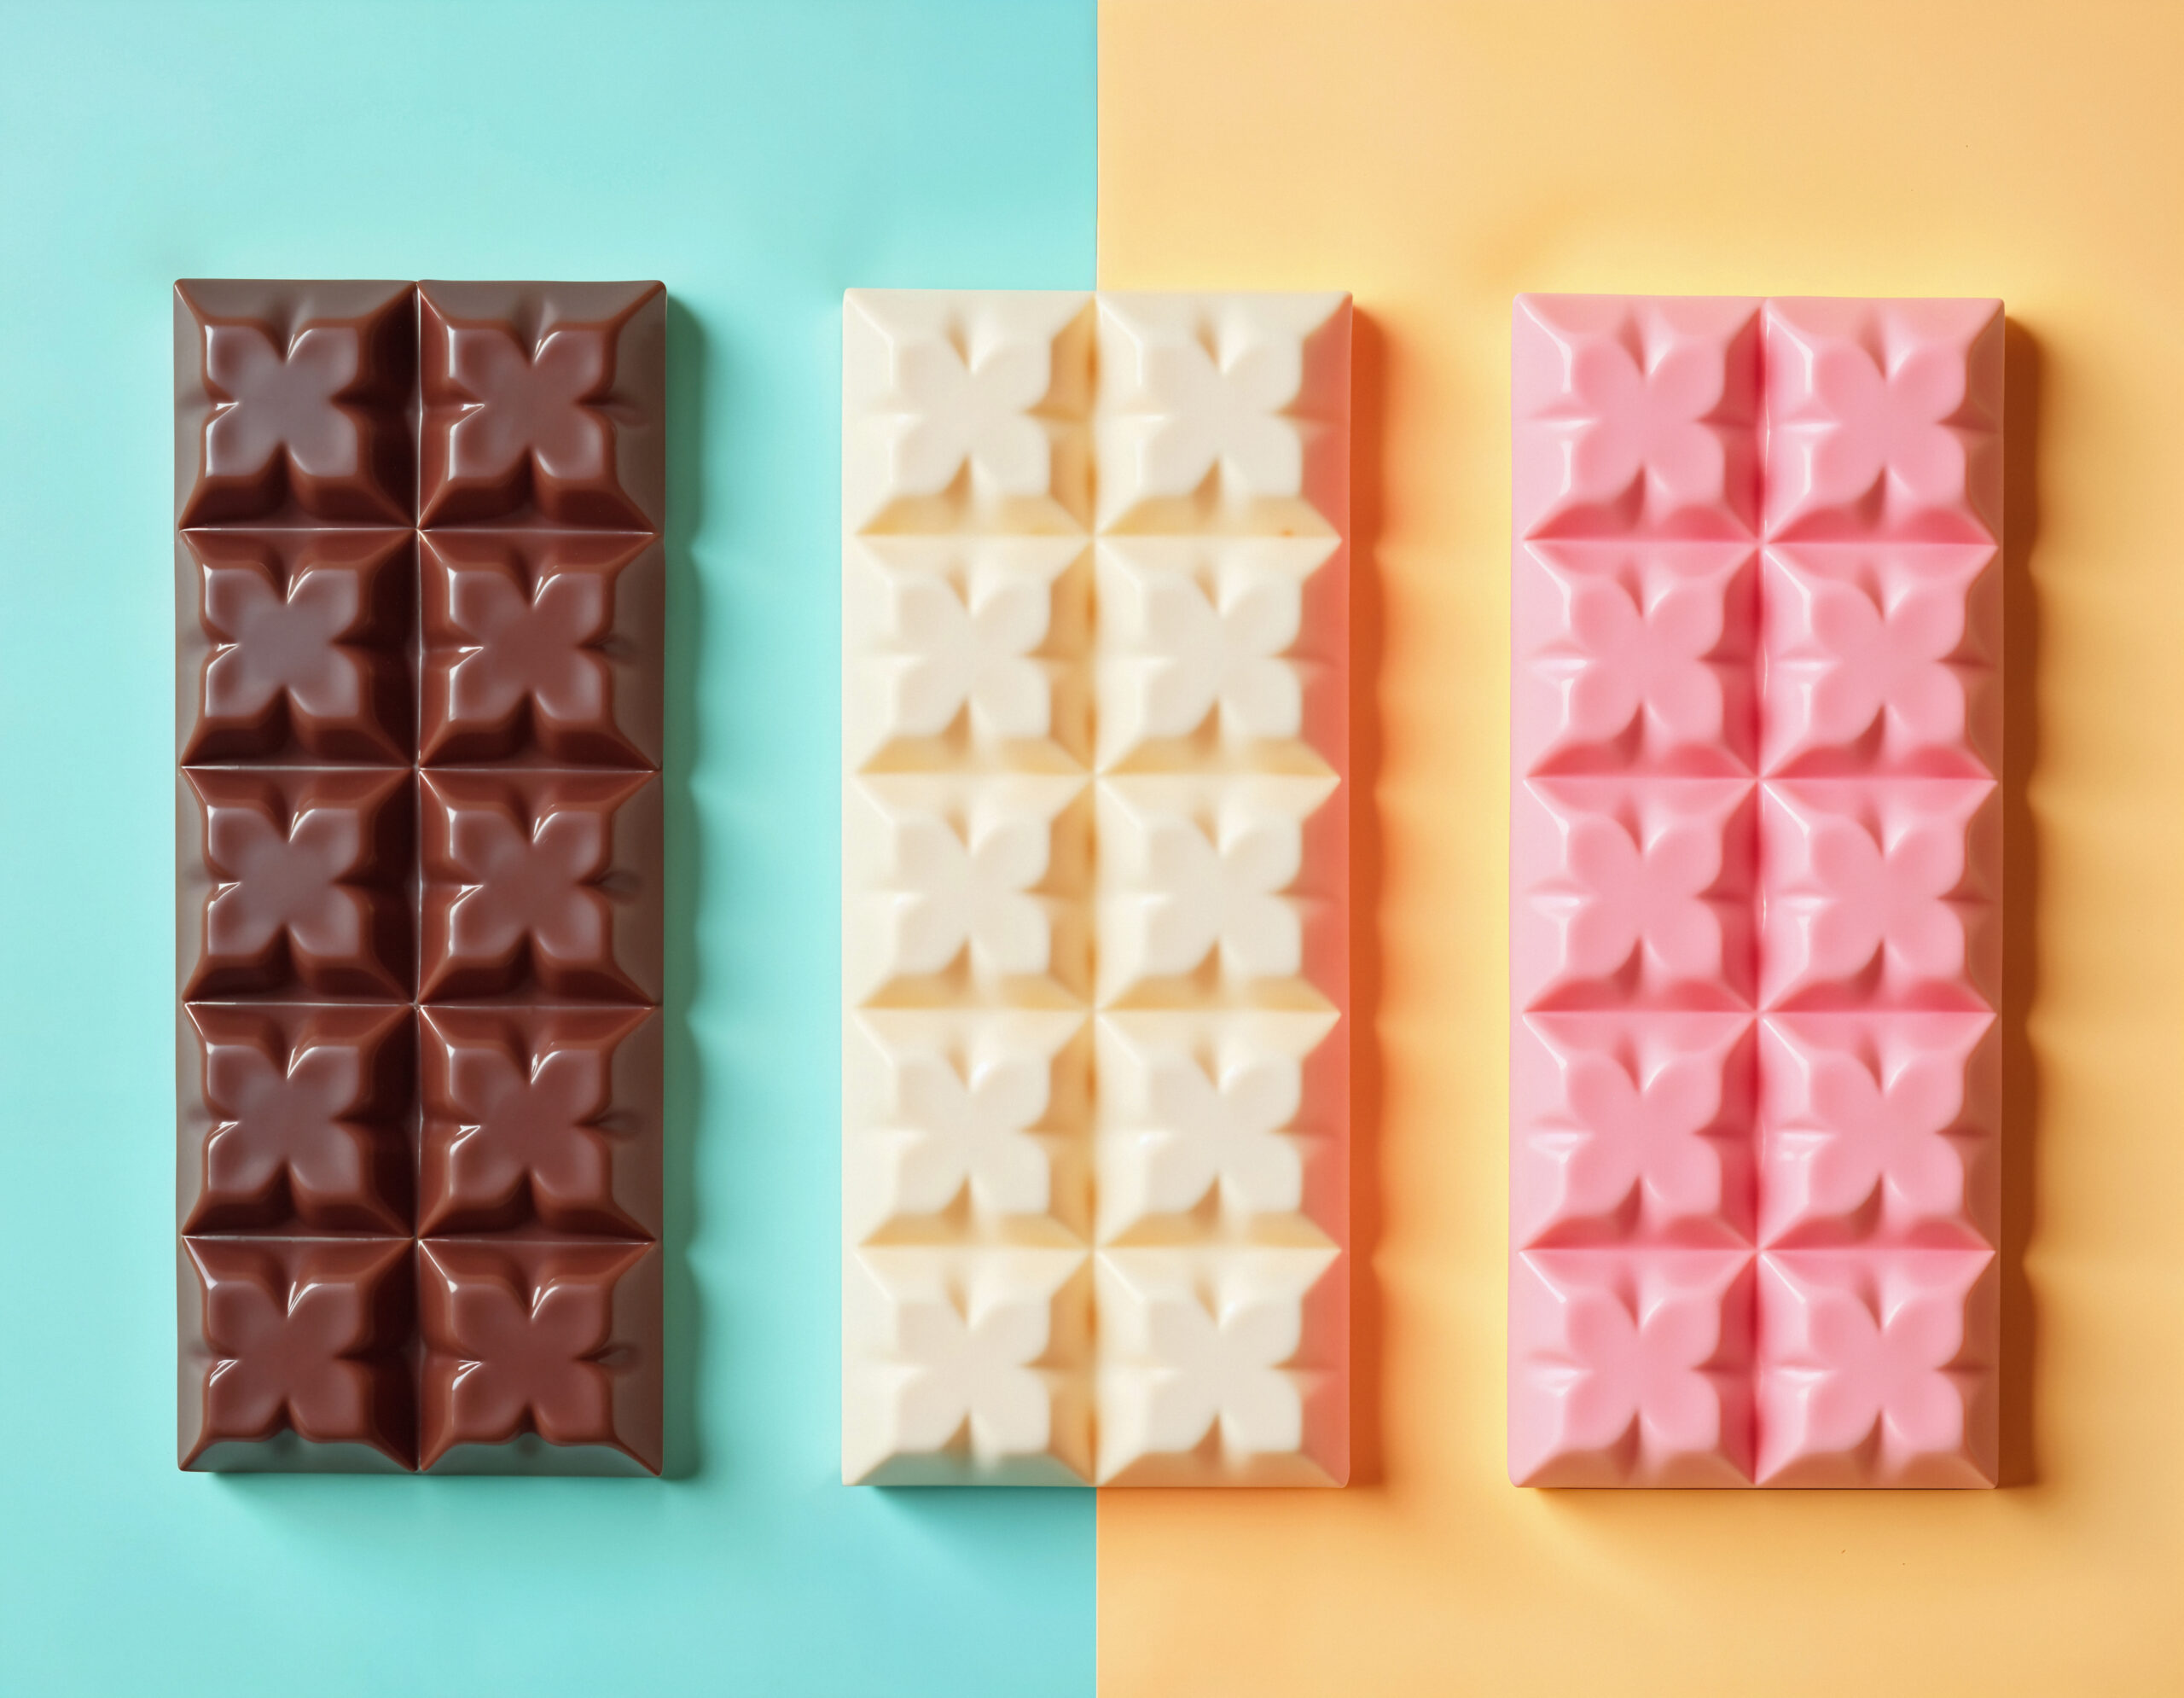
[{"x": 419, "y": 582}]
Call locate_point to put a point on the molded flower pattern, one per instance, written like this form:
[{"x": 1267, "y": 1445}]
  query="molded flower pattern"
[
  {"x": 1187, "y": 648},
  {"x": 1629, "y": 1365},
  {"x": 1630, "y": 1128},
  {"x": 1196, "y": 1359},
  {"x": 1205, "y": 403},
  {"x": 508, "y": 1352},
  {"x": 526, "y": 1143},
  {"x": 528, "y": 422},
  {"x": 1185, "y": 886},
  {"x": 1871, "y": 895},
  {"x": 281, "y": 423},
  {"x": 295, "y": 1339},
  {"x": 293, "y": 898},
  {"x": 971, "y": 1367},
  {"x": 970, "y": 1129},
  {"x": 957, "y": 895},
  {"x": 525, "y": 882},
  {"x": 1868, "y": 1369},
  {"x": 1643, "y": 896},
  {"x": 1635, "y": 416},
  {"x": 274, "y": 644},
  {"x": 1873, "y": 663},
  {"x": 1876, "y": 1126},
  {"x": 296, "y": 1131},
  {"x": 535, "y": 888},
  {"x": 978, "y": 655},
  {"x": 1207, "y": 1122},
  {"x": 1646, "y": 664},
  {"x": 534, "y": 653},
  {"x": 1885, "y": 420},
  {"x": 969, "y": 415}
]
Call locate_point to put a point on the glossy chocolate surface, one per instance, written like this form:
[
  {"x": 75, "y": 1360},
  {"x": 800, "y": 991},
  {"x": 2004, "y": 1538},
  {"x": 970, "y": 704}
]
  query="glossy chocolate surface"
[{"x": 419, "y": 596}]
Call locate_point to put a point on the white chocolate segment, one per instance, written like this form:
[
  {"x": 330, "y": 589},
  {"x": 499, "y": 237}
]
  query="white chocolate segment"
[
  {"x": 1205, "y": 657},
  {"x": 1221, "y": 1367},
  {"x": 1094, "y": 889},
  {"x": 964, "y": 652},
  {"x": 965, "y": 412},
  {"x": 1223, "y": 413},
  {"x": 963, "y": 1367}
]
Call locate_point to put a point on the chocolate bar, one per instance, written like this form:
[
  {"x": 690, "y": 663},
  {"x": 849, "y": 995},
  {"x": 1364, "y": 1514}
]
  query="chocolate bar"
[
  {"x": 1096, "y": 891},
  {"x": 1755, "y": 892},
  {"x": 420, "y": 584}
]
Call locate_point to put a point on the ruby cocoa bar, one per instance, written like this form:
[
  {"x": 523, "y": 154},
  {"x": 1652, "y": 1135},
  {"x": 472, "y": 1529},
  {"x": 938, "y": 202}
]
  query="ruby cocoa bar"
[{"x": 419, "y": 582}]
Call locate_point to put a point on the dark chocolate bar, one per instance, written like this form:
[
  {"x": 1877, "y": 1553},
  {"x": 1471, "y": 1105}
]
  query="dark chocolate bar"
[{"x": 420, "y": 590}]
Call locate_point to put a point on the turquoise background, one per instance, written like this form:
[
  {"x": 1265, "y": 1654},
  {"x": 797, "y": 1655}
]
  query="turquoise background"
[{"x": 758, "y": 159}]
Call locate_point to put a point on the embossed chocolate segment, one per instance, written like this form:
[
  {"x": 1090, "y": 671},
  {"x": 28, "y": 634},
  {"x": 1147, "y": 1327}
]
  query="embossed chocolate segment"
[
  {"x": 553, "y": 1339},
  {"x": 543, "y": 401},
  {"x": 295, "y": 1353},
  {"x": 296, "y": 1119},
  {"x": 544, "y": 1119},
  {"x": 541, "y": 647},
  {"x": 295, "y": 882},
  {"x": 294, "y": 645},
  {"x": 292, "y": 401},
  {"x": 541, "y": 882}
]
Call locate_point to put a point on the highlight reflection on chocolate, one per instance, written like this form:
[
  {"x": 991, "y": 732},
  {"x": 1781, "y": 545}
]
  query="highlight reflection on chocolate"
[{"x": 419, "y": 588}]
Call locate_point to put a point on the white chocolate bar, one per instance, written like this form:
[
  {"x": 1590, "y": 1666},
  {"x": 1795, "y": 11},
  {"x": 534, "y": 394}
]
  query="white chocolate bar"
[{"x": 1095, "y": 1079}]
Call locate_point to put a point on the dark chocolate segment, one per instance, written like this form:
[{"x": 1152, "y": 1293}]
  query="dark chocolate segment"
[
  {"x": 296, "y": 1119},
  {"x": 540, "y": 1119},
  {"x": 558, "y": 1338},
  {"x": 292, "y": 401},
  {"x": 542, "y": 402},
  {"x": 295, "y": 882},
  {"x": 306, "y": 1340},
  {"x": 295, "y": 645},
  {"x": 541, "y": 647},
  {"x": 541, "y": 882}
]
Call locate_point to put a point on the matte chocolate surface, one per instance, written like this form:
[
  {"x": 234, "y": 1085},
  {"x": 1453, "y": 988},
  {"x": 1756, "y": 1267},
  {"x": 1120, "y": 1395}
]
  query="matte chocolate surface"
[{"x": 419, "y": 623}]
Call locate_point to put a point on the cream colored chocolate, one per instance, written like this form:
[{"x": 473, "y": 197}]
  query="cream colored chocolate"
[{"x": 1096, "y": 887}]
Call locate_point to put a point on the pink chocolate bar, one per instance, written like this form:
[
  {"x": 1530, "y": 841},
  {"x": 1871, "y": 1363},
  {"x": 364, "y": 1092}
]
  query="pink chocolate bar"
[{"x": 1755, "y": 891}]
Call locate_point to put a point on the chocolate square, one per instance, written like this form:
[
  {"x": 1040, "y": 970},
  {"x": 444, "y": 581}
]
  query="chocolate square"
[
  {"x": 292, "y": 401},
  {"x": 297, "y": 1120},
  {"x": 295, "y": 645},
  {"x": 551, "y": 1338},
  {"x": 295, "y": 882},
  {"x": 295, "y": 1353},
  {"x": 542, "y": 402},
  {"x": 541, "y": 647},
  {"x": 543, "y": 1119}
]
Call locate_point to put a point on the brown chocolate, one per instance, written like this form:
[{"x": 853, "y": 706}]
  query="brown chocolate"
[
  {"x": 542, "y": 882},
  {"x": 544, "y": 403},
  {"x": 301, "y": 646},
  {"x": 418, "y": 874},
  {"x": 542, "y": 1118},
  {"x": 557, "y": 1339},
  {"x": 296, "y": 1352},
  {"x": 293, "y": 402},
  {"x": 296, "y": 1118},
  {"x": 295, "y": 882},
  {"x": 542, "y": 647}
]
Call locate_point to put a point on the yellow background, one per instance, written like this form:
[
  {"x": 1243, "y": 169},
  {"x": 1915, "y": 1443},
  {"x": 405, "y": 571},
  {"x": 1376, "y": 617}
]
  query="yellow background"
[{"x": 1438, "y": 159}]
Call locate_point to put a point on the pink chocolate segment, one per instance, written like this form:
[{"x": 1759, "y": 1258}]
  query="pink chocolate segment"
[{"x": 1755, "y": 892}]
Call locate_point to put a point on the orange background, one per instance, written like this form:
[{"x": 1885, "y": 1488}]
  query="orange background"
[{"x": 1437, "y": 160}]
